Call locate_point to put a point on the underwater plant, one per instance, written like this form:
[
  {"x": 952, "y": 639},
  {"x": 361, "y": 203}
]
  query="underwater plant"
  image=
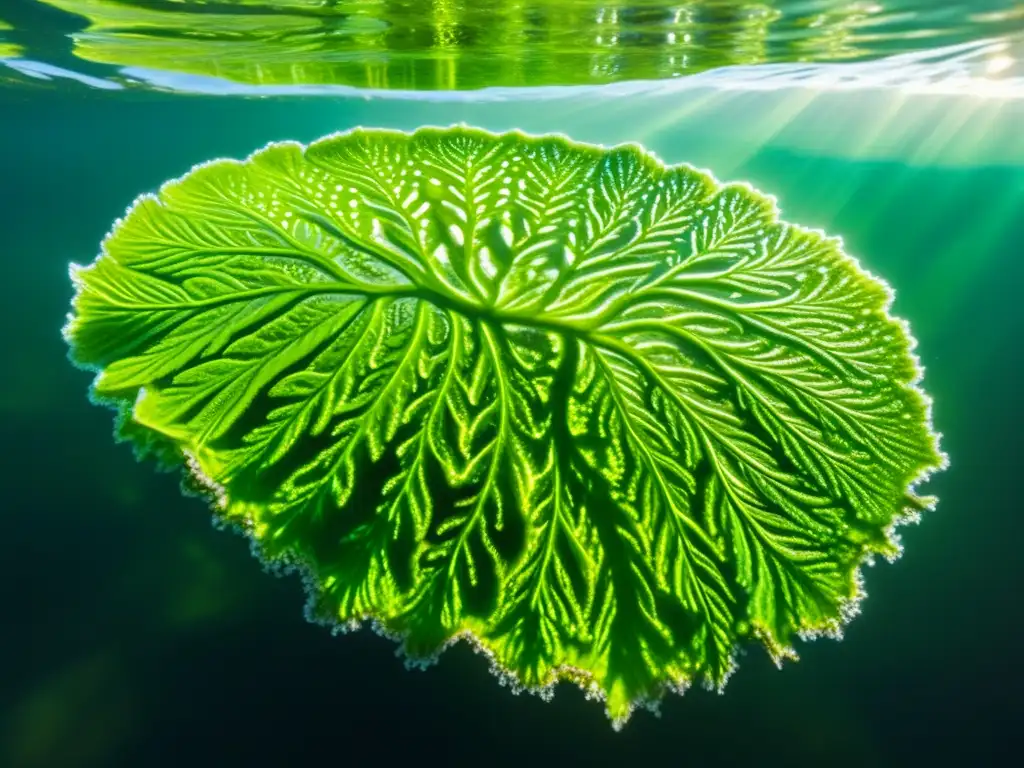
[{"x": 605, "y": 418}]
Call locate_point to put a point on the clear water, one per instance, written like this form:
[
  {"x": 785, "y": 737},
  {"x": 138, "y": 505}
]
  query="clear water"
[
  {"x": 137, "y": 635},
  {"x": 472, "y": 44}
]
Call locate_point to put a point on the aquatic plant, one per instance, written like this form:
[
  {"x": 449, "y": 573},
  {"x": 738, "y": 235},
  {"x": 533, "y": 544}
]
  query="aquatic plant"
[
  {"x": 605, "y": 418},
  {"x": 469, "y": 44}
]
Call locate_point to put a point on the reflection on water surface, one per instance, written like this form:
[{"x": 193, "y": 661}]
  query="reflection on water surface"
[{"x": 470, "y": 44}]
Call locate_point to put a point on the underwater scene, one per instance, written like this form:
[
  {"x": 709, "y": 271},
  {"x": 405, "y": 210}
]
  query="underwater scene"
[{"x": 497, "y": 382}]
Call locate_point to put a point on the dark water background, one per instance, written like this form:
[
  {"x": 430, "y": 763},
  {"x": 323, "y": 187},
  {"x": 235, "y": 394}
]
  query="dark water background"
[{"x": 134, "y": 634}]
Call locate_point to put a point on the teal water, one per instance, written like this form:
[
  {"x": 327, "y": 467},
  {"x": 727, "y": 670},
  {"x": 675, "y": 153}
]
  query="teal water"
[{"x": 135, "y": 634}]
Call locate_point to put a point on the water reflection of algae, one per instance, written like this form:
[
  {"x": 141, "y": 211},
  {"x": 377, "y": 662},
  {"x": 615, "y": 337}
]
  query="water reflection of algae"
[
  {"x": 7, "y": 50},
  {"x": 463, "y": 44}
]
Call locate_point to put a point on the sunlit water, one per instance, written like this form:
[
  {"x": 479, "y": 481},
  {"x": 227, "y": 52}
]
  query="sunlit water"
[
  {"x": 469, "y": 44},
  {"x": 137, "y": 635}
]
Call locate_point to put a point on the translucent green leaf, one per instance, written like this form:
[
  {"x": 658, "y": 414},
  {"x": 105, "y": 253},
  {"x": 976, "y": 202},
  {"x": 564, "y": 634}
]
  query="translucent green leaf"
[{"x": 606, "y": 418}]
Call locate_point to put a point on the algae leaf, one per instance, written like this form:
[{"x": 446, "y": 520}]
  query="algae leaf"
[{"x": 603, "y": 417}]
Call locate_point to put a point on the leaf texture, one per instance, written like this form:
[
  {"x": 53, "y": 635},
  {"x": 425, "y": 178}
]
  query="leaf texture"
[{"x": 605, "y": 417}]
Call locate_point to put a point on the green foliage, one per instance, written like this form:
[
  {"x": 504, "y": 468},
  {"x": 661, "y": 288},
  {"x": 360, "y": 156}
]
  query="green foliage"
[
  {"x": 469, "y": 44},
  {"x": 606, "y": 418}
]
